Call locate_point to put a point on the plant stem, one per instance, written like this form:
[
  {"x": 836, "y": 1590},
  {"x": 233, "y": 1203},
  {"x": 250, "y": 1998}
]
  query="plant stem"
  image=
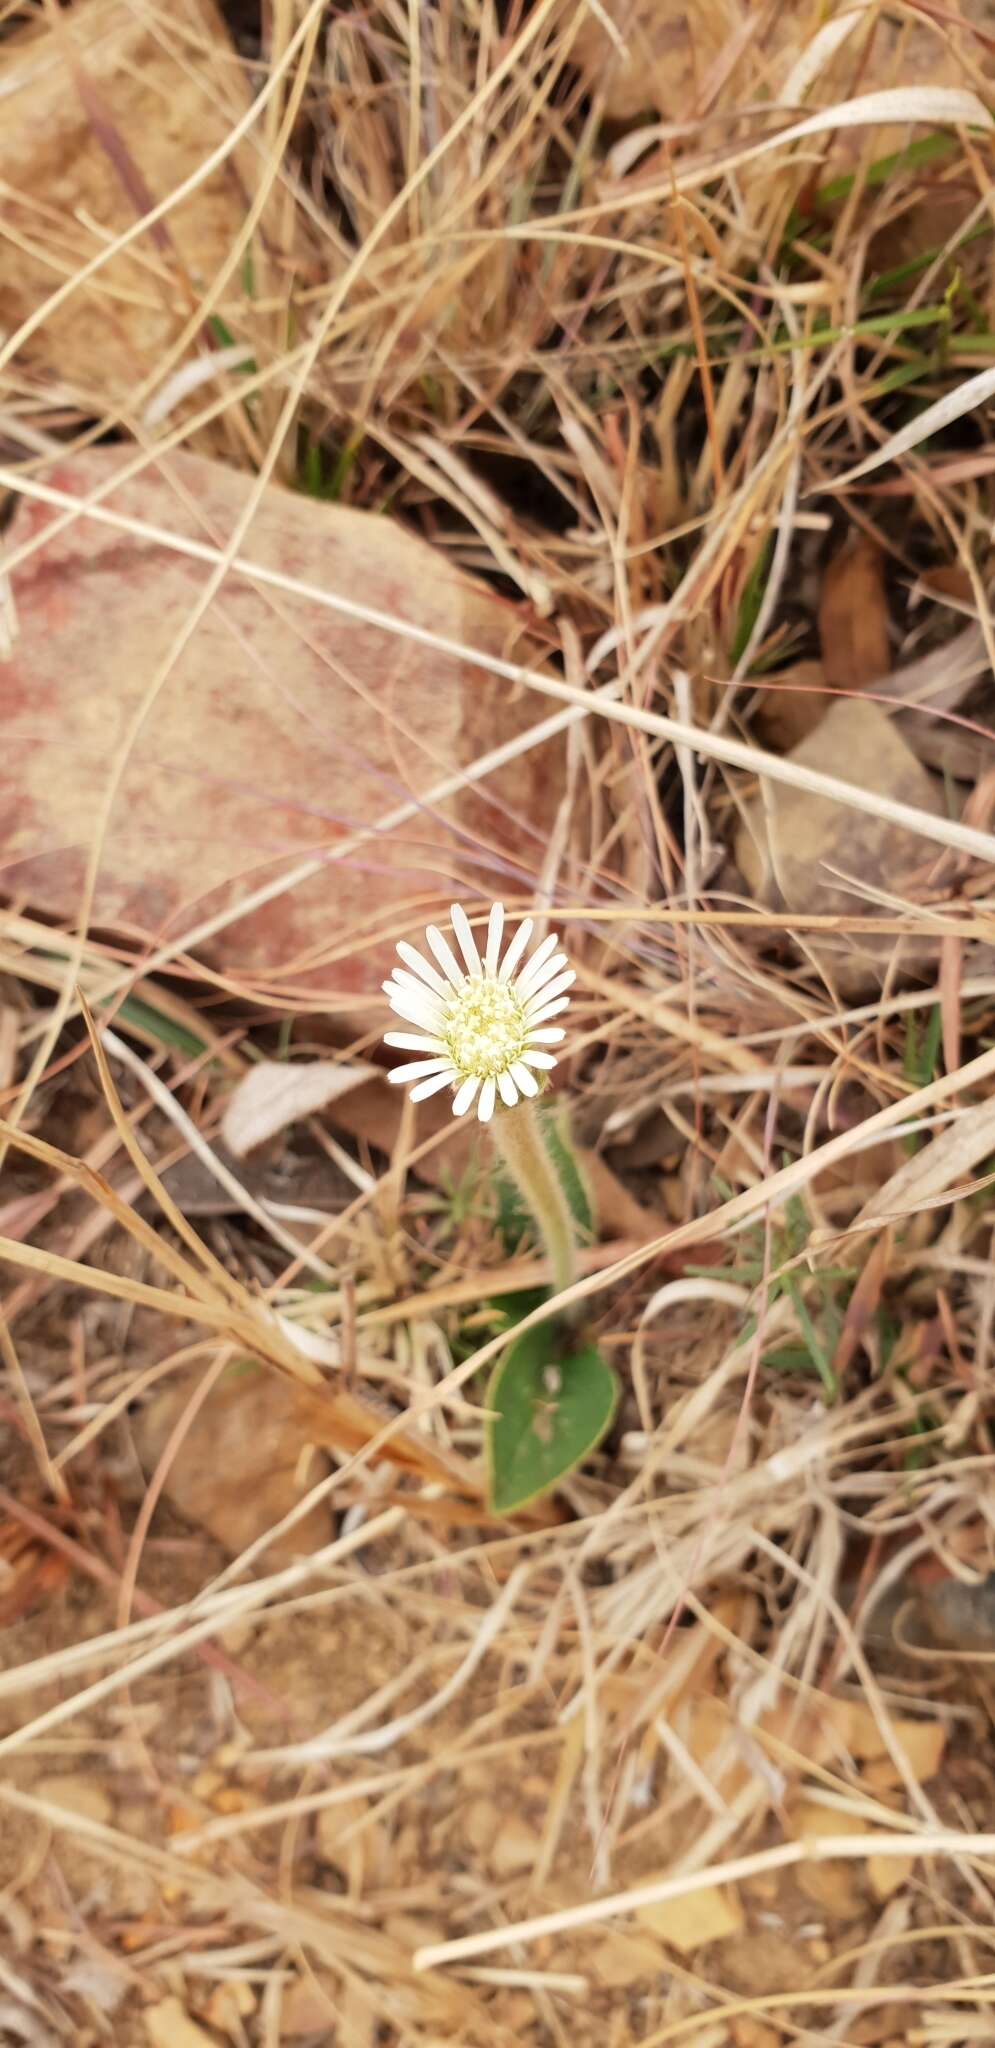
[{"x": 519, "y": 1140}]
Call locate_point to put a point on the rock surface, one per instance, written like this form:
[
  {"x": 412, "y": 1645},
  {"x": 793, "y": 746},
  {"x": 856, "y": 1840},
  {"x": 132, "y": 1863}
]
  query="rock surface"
[{"x": 277, "y": 734}]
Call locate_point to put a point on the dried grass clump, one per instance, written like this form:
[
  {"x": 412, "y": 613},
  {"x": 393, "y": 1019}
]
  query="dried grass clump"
[{"x": 625, "y": 311}]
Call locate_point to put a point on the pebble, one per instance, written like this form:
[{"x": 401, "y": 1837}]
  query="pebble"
[
  {"x": 78, "y": 1794},
  {"x": 169, "y": 2025},
  {"x": 515, "y": 1848}
]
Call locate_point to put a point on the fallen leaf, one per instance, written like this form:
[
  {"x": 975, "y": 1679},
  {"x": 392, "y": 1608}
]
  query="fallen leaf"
[
  {"x": 853, "y": 617},
  {"x": 813, "y": 855},
  {"x": 687, "y": 1923},
  {"x": 280, "y": 1092},
  {"x": 948, "y": 1160},
  {"x": 104, "y": 117},
  {"x": 284, "y": 738}
]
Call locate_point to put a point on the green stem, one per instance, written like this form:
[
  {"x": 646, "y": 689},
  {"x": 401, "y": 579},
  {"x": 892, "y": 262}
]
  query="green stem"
[{"x": 519, "y": 1140}]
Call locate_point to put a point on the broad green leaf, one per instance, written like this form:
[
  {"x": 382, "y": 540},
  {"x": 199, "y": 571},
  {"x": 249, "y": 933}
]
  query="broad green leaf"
[{"x": 550, "y": 1405}]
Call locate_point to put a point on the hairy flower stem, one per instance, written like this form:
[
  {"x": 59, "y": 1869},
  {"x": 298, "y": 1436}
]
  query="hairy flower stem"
[{"x": 519, "y": 1140}]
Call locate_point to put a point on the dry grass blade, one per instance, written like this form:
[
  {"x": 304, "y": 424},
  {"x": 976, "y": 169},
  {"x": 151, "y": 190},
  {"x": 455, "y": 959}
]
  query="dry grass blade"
[{"x": 610, "y": 316}]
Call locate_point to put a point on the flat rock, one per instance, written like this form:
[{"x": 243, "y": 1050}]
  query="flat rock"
[
  {"x": 243, "y": 1463},
  {"x": 281, "y": 734},
  {"x": 795, "y": 849},
  {"x": 105, "y": 115}
]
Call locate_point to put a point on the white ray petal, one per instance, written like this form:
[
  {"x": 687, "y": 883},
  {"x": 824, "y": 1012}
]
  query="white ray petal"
[
  {"x": 432, "y": 1087},
  {"x": 467, "y": 942},
  {"x": 417, "y": 1069},
  {"x": 416, "y": 1009},
  {"x": 464, "y": 1096},
  {"x": 548, "y": 1010},
  {"x": 402, "y": 979},
  {"x": 405, "y": 1041},
  {"x": 539, "y": 958},
  {"x": 495, "y": 927},
  {"x": 422, "y": 967},
  {"x": 516, "y": 949},
  {"x": 542, "y": 1060},
  {"x": 507, "y": 1090},
  {"x": 445, "y": 956},
  {"x": 555, "y": 988},
  {"x": 550, "y": 1035},
  {"x": 529, "y": 985},
  {"x": 485, "y": 1107},
  {"x": 527, "y": 1082}
]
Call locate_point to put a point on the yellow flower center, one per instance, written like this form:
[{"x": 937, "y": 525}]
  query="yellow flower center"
[{"x": 485, "y": 1028}]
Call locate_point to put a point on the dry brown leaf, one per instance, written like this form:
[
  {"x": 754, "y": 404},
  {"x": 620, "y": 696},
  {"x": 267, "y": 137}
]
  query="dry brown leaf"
[
  {"x": 853, "y": 617},
  {"x": 280, "y": 1092},
  {"x": 688, "y": 1923},
  {"x": 947, "y": 1161}
]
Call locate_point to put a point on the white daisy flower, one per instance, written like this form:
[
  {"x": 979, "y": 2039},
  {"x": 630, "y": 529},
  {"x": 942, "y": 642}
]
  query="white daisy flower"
[{"x": 483, "y": 1024}]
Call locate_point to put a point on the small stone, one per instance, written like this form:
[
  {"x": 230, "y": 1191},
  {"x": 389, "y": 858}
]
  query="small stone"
[
  {"x": 78, "y": 1794},
  {"x": 306, "y": 2009},
  {"x": 518, "y": 2011},
  {"x": 750, "y": 2033},
  {"x": 623, "y": 1959},
  {"x": 206, "y": 1783},
  {"x": 515, "y": 1848},
  {"x": 237, "y": 1636},
  {"x": 355, "y": 1854},
  {"x": 835, "y": 1886},
  {"x": 228, "y": 2004},
  {"x": 798, "y": 850},
  {"x": 480, "y": 1824},
  {"x": 169, "y": 2025},
  {"x": 887, "y": 1874},
  {"x": 693, "y": 1919}
]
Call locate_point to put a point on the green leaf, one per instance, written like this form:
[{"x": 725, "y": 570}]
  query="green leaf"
[
  {"x": 752, "y": 598},
  {"x": 549, "y": 1406}
]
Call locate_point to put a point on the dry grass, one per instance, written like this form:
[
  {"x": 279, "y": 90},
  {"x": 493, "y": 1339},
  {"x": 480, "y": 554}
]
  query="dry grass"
[{"x": 639, "y": 376}]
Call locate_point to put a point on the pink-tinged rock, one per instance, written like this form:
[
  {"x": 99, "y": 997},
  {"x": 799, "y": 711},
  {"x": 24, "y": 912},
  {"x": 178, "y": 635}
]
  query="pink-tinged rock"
[{"x": 281, "y": 731}]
